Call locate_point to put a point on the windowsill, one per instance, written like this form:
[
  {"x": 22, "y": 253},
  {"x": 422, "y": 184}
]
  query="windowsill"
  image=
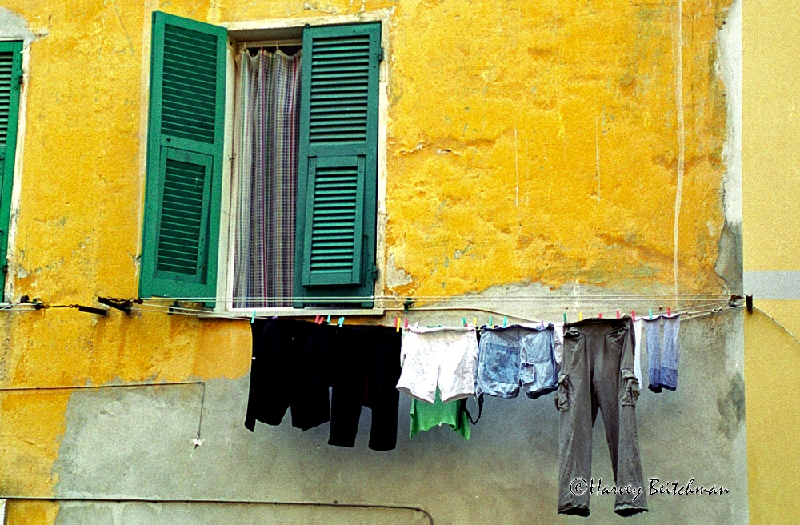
[{"x": 308, "y": 312}]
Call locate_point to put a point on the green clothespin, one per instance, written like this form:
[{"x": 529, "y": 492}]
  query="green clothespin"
[
  {"x": 490, "y": 322},
  {"x": 505, "y": 321},
  {"x": 253, "y": 317},
  {"x": 341, "y": 321},
  {"x": 329, "y": 318},
  {"x": 650, "y": 311},
  {"x": 463, "y": 321}
]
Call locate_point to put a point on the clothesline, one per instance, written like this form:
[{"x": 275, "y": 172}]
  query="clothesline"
[
  {"x": 699, "y": 305},
  {"x": 178, "y": 310},
  {"x": 465, "y": 297}
]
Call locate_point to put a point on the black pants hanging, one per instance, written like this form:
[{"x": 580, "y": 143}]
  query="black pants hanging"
[
  {"x": 289, "y": 370},
  {"x": 365, "y": 373}
]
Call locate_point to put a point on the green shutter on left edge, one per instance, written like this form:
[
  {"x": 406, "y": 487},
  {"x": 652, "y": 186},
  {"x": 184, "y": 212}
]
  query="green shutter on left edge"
[
  {"x": 184, "y": 159},
  {"x": 10, "y": 76},
  {"x": 338, "y": 164}
]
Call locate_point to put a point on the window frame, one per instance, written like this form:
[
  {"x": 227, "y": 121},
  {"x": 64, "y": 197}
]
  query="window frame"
[
  {"x": 239, "y": 35},
  {"x": 13, "y": 194}
]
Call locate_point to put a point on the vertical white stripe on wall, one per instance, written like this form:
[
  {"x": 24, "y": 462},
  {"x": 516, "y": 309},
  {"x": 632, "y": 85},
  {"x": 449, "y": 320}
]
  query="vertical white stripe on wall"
[
  {"x": 681, "y": 142},
  {"x": 729, "y": 68}
]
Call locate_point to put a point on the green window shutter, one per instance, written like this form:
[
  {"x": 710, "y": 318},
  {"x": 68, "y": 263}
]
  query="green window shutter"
[
  {"x": 338, "y": 163},
  {"x": 184, "y": 159},
  {"x": 10, "y": 77}
]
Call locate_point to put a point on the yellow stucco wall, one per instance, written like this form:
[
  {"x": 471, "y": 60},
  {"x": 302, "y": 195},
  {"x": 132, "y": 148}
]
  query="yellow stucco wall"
[
  {"x": 771, "y": 239},
  {"x": 549, "y": 128}
]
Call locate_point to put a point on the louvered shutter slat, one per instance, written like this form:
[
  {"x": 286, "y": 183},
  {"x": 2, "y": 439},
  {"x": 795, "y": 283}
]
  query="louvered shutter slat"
[
  {"x": 337, "y": 192},
  {"x": 184, "y": 165}
]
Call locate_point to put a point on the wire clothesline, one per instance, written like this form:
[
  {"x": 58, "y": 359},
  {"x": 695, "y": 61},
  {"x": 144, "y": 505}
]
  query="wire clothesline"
[
  {"x": 420, "y": 298},
  {"x": 711, "y": 307},
  {"x": 688, "y": 305}
]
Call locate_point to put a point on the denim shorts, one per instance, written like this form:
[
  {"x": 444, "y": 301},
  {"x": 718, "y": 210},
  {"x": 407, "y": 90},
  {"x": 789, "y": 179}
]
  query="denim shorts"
[{"x": 514, "y": 357}]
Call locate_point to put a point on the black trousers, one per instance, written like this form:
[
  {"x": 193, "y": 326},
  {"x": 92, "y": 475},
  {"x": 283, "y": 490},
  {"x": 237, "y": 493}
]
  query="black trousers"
[
  {"x": 365, "y": 373},
  {"x": 290, "y": 369}
]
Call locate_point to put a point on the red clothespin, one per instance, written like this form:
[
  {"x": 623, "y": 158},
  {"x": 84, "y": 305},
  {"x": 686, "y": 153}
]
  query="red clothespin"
[
  {"x": 406, "y": 323},
  {"x": 633, "y": 315},
  {"x": 669, "y": 311},
  {"x": 600, "y": 315},
  {"x": 316, "y": 319},
  {"x": 617, "y": 314}
]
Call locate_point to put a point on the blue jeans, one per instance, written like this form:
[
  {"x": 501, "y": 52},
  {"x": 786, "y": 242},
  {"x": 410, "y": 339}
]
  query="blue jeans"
[{"x": 516, "y": 357}]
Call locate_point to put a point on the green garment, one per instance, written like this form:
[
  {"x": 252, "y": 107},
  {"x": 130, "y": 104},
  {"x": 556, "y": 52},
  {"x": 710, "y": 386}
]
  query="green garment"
[{"x": 425, "y": 416}]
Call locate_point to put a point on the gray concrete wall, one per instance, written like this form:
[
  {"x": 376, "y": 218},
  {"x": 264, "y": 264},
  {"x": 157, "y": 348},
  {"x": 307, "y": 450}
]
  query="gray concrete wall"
[{"x": 137, "y": 443}]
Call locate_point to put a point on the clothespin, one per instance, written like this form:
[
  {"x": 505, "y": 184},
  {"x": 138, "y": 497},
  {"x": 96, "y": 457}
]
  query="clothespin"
[
  {"x": 617, "y": 314},
  {"x": 650, "y": 311},
  {"x": 475, "y": 322},
  {"x": 316, "y": 319},
  {"x": 253, "y": 317},
  {"x": 396, "y": 324},
  {"x": 669, "y": 311},
  {"x": 491, "y": 325},
  {"x": 600, "y": 315},
  {"x": 565, "y": 317},
  {"x": 341, "y": 321},
  {"x": 406, "y": 323},
  {"x": 633, "y": 315},
  {"x": 580, "y": 316},
  {"x": 329, "y": 318},
  {"x": 542, "y": 324},
  {"x": 463, "y": 321},
  {"x": 505, "y": 321}
]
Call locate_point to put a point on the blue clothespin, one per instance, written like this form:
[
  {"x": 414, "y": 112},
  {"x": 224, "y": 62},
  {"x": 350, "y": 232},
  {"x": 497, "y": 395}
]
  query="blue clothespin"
[
  {"x": 491, "y": 325},
  {"x": 253, "y": 317},
  {"x": 463, "y": 321},
  {"x": 650, "y": 311},
  {"x": 341, "y": 321},
  {"x": 505, "y": 321},
  {"x": 329, "y": 318}
]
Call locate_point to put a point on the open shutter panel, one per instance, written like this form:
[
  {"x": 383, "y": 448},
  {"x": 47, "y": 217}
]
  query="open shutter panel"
[
  {"x": 10, "y": 75},
  {"x": 337, "y": 189},
  {"x": 184, "y": 159}
]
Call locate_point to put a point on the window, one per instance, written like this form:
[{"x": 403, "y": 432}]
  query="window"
[
  {"x": 10, "y": 79},
  {"x": 335, "y": 204}
]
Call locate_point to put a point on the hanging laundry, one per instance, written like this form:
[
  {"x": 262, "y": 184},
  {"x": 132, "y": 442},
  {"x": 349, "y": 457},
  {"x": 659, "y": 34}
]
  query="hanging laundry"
[
  {"x": 514, "y": 357},
  {"x": 558, "y": 342},
  {"x": 289, "y": 371},
  {"x": 439, "y": 357},
  {"x": 425, "y": 416},
  {"x": 365, "y": 369},
  {"x": 597, "y": 374},
  {"x": 637, "y": 350},
  {"x": 663, "y": 351}
]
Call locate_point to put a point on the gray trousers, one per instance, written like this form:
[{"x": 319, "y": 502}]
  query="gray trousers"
[{"x": 597, "y": 374}]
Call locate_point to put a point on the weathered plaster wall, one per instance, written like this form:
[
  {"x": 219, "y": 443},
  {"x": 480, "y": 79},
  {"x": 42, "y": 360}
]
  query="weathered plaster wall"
[
  {"x": 531, "y": 146},
  {"x": 138, "y": 442}
]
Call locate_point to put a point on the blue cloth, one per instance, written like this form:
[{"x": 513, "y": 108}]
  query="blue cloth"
[
  {"x": 663, "y": 351},
  {"x": 516, "y": 357}
]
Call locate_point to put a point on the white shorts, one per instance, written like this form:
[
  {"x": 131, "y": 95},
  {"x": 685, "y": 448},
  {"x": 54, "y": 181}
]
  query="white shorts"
[{"x": 443, "y": 357}]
